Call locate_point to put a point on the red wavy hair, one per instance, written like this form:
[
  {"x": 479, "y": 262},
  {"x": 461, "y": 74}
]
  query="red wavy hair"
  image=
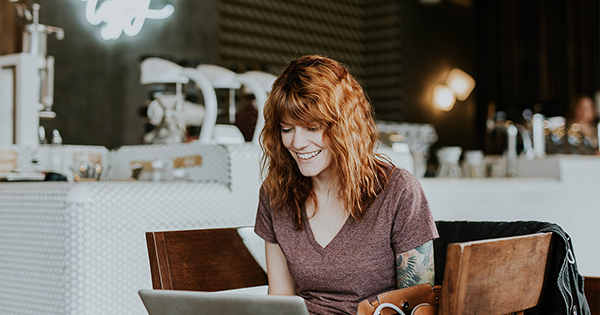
[{"x": 318, "y": 91}]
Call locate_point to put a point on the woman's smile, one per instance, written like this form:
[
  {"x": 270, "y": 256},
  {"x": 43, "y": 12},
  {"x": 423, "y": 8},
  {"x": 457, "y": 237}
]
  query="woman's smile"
[{"x": 307, "y": 156}]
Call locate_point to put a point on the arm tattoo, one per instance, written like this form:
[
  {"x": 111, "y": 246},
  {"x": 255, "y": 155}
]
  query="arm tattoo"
[{"x": 415, "y": 266}]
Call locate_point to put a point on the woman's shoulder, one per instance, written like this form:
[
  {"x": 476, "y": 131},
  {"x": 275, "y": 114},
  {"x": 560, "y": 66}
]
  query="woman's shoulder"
[
  {"x": 401, "y": 180},
  {"x": 264, "y": 196},
  {"x": 400, "y": 175}
]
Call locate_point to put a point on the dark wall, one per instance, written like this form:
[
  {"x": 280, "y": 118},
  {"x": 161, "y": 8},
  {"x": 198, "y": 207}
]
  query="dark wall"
[
  {"x": 537, "y": 52},
  {"x": 97, "y": 89},
  {"x": 436, "y": 39}
]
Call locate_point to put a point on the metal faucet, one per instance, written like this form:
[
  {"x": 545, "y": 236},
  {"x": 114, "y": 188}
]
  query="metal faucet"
[
  {"x": 511, "y": 163},
  {"x": 533, "y": 141},
  {"x": 512, "y": 131}
]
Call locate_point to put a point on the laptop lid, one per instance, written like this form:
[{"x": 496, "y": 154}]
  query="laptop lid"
[{"x": 172, "y": 302}]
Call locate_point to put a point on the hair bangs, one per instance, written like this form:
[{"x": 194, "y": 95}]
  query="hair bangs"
[{"x": 301, "y": 111}]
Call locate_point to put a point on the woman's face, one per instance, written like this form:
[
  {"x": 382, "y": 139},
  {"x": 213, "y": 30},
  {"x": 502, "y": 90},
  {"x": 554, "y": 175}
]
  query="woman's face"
[
  {"x": 308, "y": 149},
  {"x": 585, "y": 110}
]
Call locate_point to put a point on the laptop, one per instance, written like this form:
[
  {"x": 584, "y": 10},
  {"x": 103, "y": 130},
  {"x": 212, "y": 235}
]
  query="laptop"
[{"x": 172, "y": 302}]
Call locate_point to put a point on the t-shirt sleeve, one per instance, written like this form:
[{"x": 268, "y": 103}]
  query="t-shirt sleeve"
[
  {"x": 413, "y": 222},
  {"x": 263, "y": 226}
]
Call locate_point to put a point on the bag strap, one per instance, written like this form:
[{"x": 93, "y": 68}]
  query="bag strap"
[
  {"x": 390, "y": 305},
  {"x": 410, "y": 297},
  {"x": 405, "y": 299},
  {"x": 421, "y": 309},
  {"x": 425, "y": 309}
]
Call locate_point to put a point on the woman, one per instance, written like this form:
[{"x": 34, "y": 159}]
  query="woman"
[
  {"x": 340, "y": 223},
  {"x": 582, "y": 134}
]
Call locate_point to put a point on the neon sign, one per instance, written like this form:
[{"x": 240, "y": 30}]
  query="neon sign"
[{"x": 123, "y": 16}]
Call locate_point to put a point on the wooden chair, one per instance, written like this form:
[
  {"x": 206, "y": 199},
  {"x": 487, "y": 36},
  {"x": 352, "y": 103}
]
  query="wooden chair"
[
  {"x": 495, "y": 276},
  {"x": 592, "y": 294},
  {"x": 202, "y": 260}
]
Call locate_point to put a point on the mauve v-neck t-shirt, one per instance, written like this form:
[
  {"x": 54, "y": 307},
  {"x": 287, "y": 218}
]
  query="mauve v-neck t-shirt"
[{"x": 359, "y": 262}]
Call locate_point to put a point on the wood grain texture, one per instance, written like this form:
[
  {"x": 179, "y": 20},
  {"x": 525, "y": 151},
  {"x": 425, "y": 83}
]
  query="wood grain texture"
[
  {"x": 202, "y": 260},
  {"x": 11, "y": 32},
  {"x": 592, "y": 294},
  {"x": 497, "y": 276}
]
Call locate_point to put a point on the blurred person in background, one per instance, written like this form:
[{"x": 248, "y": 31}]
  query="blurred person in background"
[{"x": 582, "y": 122}]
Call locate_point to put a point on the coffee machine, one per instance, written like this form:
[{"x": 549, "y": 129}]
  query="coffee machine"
[{"x": 27, "y": 81}]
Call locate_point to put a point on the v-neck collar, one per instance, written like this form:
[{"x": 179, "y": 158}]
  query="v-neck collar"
[{"x": 313, "y": 241}]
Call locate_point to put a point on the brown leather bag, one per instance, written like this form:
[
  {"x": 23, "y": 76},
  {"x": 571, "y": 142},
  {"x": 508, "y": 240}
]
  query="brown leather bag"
[{"x": 425, "y": 296}]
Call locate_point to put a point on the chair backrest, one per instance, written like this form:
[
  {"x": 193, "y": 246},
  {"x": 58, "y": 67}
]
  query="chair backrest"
[
  {"x": 495, "y": 276},
  {"x": 202, "y": 260},
  {"x": 592, "y": 293}
]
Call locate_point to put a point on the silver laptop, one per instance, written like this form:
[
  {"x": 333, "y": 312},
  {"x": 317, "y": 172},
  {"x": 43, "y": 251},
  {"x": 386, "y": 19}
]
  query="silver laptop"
[{"x": 171, "y": 302}]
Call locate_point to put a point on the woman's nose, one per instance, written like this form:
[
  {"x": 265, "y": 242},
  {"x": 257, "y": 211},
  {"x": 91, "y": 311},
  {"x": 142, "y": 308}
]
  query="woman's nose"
[{"x": 300, "y": 138}]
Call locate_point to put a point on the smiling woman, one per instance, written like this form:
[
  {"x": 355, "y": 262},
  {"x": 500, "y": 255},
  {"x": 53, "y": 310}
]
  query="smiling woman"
[
  {"x": 319, "y": 93},
  {"x": 341, "y": 223}
]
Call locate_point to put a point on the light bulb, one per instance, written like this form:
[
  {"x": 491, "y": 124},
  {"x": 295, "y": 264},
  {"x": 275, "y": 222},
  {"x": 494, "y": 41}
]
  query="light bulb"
[
  {"x": 443, "y": 97},
  {"x": 461, "y": 83}
]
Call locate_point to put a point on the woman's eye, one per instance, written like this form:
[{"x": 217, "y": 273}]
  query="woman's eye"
[
  {"x": 285, "y": 130},
  {"x": 313, "y": 128}
]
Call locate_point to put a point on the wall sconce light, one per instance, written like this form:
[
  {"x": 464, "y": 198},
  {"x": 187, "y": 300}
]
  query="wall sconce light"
[
  {"x": 459, "y": 86},
  {"x": 461, "y": 83},
  {"x": 443, "y": 97}
]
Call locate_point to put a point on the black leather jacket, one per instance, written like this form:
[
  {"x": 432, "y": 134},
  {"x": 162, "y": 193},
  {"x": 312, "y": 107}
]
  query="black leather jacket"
[{"x": 563, "y": 287}]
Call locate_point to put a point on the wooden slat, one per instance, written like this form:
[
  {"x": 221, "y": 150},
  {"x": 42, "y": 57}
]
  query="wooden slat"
[
  {"x": 202, "y": 260},
  {"x": 592, "y": 294},
  {"x": 497, "y": 276},
  {"x": 154, "y": 272},
  {"x": 159, "y": 261},
  {"x": 11, "y": 32}
]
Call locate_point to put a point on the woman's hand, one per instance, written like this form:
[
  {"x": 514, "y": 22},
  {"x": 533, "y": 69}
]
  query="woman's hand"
[
  {"x": 280, "y": 281},
  {"x": 415, "y": 266}
]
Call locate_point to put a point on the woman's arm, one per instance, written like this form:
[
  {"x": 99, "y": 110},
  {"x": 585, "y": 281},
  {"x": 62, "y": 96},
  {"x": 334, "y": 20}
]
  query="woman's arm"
[
  {"x": 280, "y": 281},
  {"x": 415, "y": 266}
]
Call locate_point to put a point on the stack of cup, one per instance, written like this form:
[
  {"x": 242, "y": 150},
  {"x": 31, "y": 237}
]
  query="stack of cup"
[
  {"x": 472, "y": 164},
  {"x": 448, "y": 161}
]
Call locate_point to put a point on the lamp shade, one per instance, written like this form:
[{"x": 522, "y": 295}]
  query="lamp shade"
[
  {"x": 443, "y": 97},
  {"x": 461, "y": 83}
]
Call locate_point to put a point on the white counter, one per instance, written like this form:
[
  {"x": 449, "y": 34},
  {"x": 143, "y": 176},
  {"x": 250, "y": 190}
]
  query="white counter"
[
  {"x": 79, "y": 248},
  {"x": 572, "y": 201}
]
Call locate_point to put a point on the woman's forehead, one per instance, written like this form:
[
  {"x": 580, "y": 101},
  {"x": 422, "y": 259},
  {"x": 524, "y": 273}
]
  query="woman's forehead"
[
  {"x": 298, "y": 117},
  {"x": 301, "y": 111},
  {"x": 299, "y": 122}
]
